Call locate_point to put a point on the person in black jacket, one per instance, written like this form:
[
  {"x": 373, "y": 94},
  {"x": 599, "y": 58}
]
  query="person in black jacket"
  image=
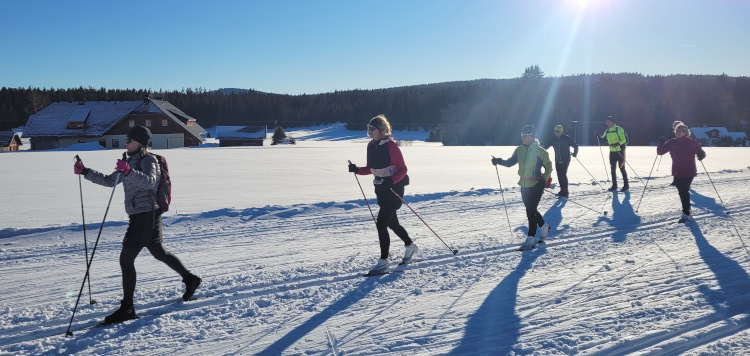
[
  {"x": 386, "y": 163},
  {"x": 562, "y": 144}
]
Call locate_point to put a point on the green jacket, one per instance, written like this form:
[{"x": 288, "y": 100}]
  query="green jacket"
[
  {"x": 530, "y": 161},
  {"x": 615, "y": 135}
]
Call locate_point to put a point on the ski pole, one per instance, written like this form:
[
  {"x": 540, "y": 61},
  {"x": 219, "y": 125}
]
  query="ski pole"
[
  {"x": 644, "y": 188},
  {"x": 568, "y": 199},
  {"x": 592, "y": 176},
  {"x": 510, "y": 231},
  {"x": 631, "y": 167},
  {"x": 93, "y": 251},
  {"x": 717, "y": 191},
  {"x": 85, "y": 242},
  {"x": 659, "y": 165},
  {"x": 363, "y": 194},
  {"x": 602, "y": 153},
  {"x": 455, "y": 251}
]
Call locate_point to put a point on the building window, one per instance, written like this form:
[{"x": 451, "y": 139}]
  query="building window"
[
  {"x": 131, "y": 123},
  {"x": 164, "y": 122},
  {"x": 148, "y": 123},
  {"x": 103, "y": 142},
  {"x": 115, "y": 143}
]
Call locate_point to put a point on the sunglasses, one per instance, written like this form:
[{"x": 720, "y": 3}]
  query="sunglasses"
[
  {"x": 371, "y": 128},
  {"x": 128, "y": 140}
]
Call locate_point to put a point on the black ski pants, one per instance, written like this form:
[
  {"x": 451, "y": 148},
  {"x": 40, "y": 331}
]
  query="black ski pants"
[
  {"x": 683, "y": 188},
  {"x": 562, "y": 173},
  {"x": 144, "y": 230},
  {"x": 617, "y": 159},
  {"x": 531, "y": 197},
  {"x": 387, "y": 218}
]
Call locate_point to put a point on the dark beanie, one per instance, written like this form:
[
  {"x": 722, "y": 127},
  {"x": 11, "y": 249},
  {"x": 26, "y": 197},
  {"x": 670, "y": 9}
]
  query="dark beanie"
[{"x": 141, "y": 134}]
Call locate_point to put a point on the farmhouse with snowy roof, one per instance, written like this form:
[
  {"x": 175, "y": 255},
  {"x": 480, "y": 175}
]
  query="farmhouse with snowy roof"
[
  {"x": 9, "y": 141},
  {"x": 240, "y": 135},
  {"x": 719, "y": 136},
  {"x": 62, "y": 124}
]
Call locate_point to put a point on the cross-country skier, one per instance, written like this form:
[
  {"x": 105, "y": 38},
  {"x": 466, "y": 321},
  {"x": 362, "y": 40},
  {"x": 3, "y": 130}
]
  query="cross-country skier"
[
  {"x": 386, "y": 163},
  {"x": 616, "y": 138},
  {"x": 683, "y": 151},
  {"x": 562, "y": 143},
  {"x": 145, "y": 227},
  {"x": 530, "y": 159}
]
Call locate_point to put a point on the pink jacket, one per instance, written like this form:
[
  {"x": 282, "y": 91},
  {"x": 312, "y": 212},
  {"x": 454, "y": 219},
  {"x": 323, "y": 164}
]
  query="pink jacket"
[{"x": 683, "y": 151}]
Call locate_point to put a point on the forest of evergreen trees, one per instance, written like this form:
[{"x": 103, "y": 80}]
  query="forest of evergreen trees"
[{"x": 486, "y": 111}]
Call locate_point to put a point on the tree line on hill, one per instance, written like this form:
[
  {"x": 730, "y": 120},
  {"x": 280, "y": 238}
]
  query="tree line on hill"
[{"x": 478, "y": 112}]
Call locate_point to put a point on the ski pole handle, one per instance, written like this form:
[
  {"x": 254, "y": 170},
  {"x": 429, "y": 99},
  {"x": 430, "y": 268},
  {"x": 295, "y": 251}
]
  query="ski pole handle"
[{"x": 78, "y": 159}]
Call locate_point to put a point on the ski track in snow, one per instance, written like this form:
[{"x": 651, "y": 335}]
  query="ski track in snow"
[{"x": 287, "y": 279}]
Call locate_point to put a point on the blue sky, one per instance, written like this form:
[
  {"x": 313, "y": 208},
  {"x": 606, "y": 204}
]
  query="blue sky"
[{"x": 308, "y": 46}]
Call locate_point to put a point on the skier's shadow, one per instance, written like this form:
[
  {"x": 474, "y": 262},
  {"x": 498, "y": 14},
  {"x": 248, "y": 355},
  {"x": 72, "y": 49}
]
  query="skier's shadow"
[
  {"x": 734, "y": 282},
  {"x": 356, "y": 294},
  {"x": 624, "y": 219},
  {"x": 706, "y": 202},
  {"x": 553, "y": 217},
  {"x": 494, "y": 327}
]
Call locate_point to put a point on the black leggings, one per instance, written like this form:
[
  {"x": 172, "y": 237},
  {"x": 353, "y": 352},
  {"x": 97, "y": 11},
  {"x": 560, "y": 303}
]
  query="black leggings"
[
  {"x": 531, "y": 197},
  {"x": 130, "y": 250},
  {"x": 562, "y": 173},
  {"x": 387, "y": 218},
  {"x": 683, "y": 188},
  {"x": 617, "y": 159}
]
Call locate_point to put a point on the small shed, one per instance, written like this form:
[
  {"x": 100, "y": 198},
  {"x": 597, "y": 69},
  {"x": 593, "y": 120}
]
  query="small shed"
[
  {"x": 9, "y": 141},
  {"x": 229, "y": 136}
]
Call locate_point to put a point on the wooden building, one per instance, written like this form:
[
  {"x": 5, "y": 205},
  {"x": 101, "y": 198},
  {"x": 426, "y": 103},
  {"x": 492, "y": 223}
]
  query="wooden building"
[
  {"x": 9, "y": 141},
  {"x": 240, "y": 135},
  {"x": 62, "y": 124}
]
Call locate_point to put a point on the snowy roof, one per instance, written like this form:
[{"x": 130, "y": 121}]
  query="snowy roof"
[
  {"x": 702, "y": 132},
  {"x": 240, "y": 132},
  {"x": 100, "y": 116},
  {"x": 6, "y": 137},
  {"x": 52, "y": 121}
]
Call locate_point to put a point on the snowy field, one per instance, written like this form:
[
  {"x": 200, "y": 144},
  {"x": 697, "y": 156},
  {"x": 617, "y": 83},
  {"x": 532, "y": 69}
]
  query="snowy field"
[{"x": 281, "y": 236}]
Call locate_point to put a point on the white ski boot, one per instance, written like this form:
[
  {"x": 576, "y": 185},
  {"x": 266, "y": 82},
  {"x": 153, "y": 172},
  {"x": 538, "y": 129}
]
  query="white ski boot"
[
  {"x": 380, "y": 268},
  {"x": 529, "y": 244},
  {"x": 409, "y": 253},
  {"x": 544, "y": 232},
  {"x": 685, "y": 218}
]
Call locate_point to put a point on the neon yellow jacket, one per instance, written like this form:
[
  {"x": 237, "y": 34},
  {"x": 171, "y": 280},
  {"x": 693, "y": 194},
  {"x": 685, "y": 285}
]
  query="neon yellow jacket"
[
  {"x": 530, "y": 161},
  {"x": 615, "y": 135}
]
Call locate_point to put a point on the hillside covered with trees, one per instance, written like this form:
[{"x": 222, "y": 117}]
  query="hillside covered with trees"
[{"x": 486, "y": 111}]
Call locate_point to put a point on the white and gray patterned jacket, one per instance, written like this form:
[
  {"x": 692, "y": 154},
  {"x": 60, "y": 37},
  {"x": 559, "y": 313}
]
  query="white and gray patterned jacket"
[{"x": 140, "y": 186}]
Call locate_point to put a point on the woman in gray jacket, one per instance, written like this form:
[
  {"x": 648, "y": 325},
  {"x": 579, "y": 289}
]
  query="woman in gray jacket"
[{"x": 140, "y": 179}]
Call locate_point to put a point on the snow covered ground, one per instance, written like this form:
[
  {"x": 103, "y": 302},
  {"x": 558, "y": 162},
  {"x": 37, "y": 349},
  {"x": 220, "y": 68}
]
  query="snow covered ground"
[{"x": 281, "y": 236}]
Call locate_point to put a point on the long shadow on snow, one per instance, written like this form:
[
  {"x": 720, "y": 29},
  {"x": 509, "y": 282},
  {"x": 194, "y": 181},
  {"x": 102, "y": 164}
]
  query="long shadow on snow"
[
  {"x": 732, "y": 278},
  {"x": 276, "y": 211},
  {"x": 623, "y": 219},
  {"x": 729, "y": 300},
  {"x": 356, "y": 294},
  {"x": 495, "y": 327}
]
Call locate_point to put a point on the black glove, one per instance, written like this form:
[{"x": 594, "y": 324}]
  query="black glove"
[
  {"x": 596, "y": 133},
  {"x": 574, "y": 154},
  {"x": 497, "y": 161},
  {"x": 662, "y": 139},
  {"x": 353, "y": 168},
  {"x": 700, "y": 158},
  {"x": 614, "y": 145}
]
